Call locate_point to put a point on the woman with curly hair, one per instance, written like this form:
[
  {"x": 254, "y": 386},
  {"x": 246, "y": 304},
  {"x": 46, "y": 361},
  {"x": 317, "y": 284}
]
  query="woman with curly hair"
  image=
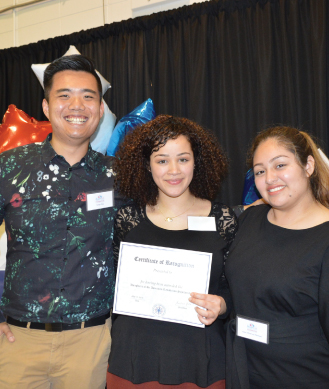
[{"x": 172, "y": 168}]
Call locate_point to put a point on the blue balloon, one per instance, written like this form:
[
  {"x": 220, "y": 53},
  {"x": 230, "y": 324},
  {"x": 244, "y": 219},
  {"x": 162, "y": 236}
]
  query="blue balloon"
[
  {"x": 140, "y": 115},
  {"x": 250, "y": 192}
]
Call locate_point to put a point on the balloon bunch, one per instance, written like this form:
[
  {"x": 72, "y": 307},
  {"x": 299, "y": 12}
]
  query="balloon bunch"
[{"x": 18, "y": 128}]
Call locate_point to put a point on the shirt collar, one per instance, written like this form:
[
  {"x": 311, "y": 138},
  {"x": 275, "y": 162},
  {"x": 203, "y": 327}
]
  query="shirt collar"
[
  {"x": 91, "y": 157},
  {"x": 46, "y": 150},
  {"x": 48, "y": 153}
]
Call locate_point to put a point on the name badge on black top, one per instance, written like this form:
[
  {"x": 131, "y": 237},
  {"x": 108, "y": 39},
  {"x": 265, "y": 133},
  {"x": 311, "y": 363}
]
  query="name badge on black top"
[
  {"x": 252, "y": 329},
  {"x": 201, "y": 223}
]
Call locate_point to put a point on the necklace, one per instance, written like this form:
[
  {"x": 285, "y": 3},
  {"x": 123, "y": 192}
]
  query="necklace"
[{"x": 170, "y": 219}]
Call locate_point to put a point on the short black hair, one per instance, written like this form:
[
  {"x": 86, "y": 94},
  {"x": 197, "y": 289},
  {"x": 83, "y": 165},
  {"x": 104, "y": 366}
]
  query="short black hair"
[{"x": 76, "y": 62}]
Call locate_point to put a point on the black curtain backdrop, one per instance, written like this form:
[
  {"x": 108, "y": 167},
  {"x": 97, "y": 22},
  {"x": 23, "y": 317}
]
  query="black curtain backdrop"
[{"x": 234, "y": 66}]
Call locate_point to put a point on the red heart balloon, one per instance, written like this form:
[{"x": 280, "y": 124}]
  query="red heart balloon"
[{"x": 18, "y": 129}]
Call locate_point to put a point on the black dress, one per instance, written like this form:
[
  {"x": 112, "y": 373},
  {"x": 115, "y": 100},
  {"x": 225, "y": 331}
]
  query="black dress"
[
  {"x": 150, "y": 350},
  {"x": 281, "y": 276}
]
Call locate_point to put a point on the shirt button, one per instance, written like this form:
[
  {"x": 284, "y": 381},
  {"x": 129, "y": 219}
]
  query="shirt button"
[
  {"x": 70, "y": 198},
  {"x": 68, "y": 227},
  {"x": 70, "y": 169},
  {"x": 65, "y": 259},
  {"x": 62, "y": 289}
]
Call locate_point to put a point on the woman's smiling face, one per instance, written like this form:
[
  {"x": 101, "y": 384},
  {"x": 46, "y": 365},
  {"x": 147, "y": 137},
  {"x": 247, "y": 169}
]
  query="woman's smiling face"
[
  {"x": 172, "y": 167},
  {"x": 279, "y": 178}
]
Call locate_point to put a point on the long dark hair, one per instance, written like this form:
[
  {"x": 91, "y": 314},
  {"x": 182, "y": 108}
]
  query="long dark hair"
[{"x": 301, "y": 145}]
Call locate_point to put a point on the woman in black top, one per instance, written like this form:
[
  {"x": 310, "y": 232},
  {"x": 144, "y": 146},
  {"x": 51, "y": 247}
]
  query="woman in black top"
[
  {"x": 172, "y": 168},
  {"x": 278, "y": 268}
]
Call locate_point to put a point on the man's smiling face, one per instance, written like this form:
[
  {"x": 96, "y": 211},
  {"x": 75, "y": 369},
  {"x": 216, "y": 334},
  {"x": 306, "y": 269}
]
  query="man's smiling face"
[{"x": 74, "y": 107}]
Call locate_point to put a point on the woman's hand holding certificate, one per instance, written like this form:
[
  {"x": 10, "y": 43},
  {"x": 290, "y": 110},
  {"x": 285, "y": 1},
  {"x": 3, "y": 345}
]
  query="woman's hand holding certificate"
[{"x": 209, "y": 306}]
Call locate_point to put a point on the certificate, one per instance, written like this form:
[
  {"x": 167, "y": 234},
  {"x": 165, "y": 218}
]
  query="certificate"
[{"x": 155, "y": 282}]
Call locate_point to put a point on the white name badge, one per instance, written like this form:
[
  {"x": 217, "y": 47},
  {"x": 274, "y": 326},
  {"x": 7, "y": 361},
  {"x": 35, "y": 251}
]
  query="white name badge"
[
  {"x": 252, "y": 329},
  {"x": 99, "y": 200},
  {"x": 201, "y": 223}
]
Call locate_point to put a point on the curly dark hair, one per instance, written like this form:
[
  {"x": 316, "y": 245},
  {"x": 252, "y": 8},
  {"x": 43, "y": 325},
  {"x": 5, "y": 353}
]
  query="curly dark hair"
[{"x": 133, "y": 178}]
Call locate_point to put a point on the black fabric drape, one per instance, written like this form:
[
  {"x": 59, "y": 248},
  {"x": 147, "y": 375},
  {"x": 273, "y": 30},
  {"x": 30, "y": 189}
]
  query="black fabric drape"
[{"x": 234, "y": 66}]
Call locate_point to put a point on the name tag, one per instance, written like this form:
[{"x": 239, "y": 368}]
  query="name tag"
[
  {"x": 201, "y": 223},
  {"x": 252, "y": 329},
  {"x": 99, "y": 200}
]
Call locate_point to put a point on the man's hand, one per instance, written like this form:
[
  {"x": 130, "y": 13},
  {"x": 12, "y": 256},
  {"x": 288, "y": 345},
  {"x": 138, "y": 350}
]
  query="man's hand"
[
  {"x": 257, "y": 202},
  {"x": 214, "y": 306},
  {"x": 4, "y": 329}
]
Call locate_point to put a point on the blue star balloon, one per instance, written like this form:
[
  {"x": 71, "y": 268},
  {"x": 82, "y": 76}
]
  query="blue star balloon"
[
  {"x": 140, "y": 115},
  {"x": 250, "y": 192}
]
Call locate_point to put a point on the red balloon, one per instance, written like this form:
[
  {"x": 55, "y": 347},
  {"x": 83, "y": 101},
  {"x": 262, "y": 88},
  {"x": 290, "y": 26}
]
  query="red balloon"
[{"x": 18, "y": 129}]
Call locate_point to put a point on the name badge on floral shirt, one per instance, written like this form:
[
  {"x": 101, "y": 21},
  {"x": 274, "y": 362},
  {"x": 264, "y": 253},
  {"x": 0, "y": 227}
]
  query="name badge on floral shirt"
[{"x": 100, "y": 200}]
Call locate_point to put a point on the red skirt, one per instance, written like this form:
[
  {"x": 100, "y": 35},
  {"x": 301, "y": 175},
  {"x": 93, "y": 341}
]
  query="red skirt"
[{"x": 115, "y": 382}]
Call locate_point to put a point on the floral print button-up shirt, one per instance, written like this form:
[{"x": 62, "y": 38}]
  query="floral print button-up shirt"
[{"x": 59, "y": 264}]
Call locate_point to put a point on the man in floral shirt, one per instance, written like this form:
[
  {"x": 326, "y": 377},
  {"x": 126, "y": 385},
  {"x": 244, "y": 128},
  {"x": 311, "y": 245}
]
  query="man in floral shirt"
[{"x": 56, "y": 199}]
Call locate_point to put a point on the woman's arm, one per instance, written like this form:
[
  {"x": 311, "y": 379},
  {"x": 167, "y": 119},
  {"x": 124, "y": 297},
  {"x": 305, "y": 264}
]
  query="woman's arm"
[
  {"x": 118, "y": 235},
  {"x": 218, "y": 305},
  {"x": 127, "y": 218}
]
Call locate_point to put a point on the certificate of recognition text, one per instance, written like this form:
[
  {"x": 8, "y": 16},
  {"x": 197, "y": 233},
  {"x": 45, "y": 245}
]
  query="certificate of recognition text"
[{"x": 155, "y": 282}]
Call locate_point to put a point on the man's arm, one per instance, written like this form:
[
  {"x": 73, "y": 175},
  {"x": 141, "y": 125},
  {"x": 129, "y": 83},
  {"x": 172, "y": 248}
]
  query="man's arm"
[
  {"x": 239, "y": 209},
  {"x": 4, "y": 327}
]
